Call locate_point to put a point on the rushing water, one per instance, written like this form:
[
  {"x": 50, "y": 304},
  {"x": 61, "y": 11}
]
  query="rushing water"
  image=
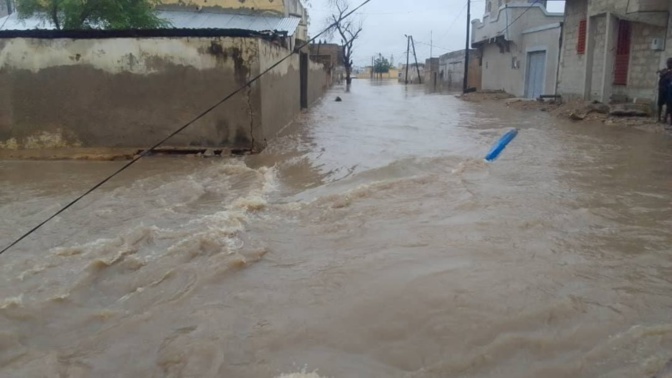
[{"x": 369, "y": 240}]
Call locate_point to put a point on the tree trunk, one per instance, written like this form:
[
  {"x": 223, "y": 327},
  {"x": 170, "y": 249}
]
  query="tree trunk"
[{"x": 348, "y": 72}]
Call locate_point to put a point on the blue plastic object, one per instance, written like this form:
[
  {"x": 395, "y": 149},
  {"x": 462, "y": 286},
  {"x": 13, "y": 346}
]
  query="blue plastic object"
[{"x": 498, "y": 148}]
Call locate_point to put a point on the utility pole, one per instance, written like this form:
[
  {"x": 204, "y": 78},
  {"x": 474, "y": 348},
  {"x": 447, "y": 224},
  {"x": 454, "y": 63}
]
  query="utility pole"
[
  {"x": 431, "y": 44},
  {"x": 466, "y": 50},
  {"x": 408, "y": 47},
  {"x": 417, "y": 67},
  {"x": 372, "y": 65},
  {"x": 380, "y": 74}
]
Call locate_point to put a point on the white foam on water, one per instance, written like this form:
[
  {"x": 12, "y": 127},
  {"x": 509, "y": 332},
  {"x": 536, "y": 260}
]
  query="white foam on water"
[
  {"x": 12, "y": 302},
  {"x": 301, "y": 374}
]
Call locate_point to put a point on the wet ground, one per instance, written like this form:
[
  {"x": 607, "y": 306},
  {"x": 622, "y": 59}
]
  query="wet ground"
[{"x": 369, "y": 240}]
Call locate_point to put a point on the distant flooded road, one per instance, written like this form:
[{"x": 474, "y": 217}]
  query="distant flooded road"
[{"x": 369, "y": 240}]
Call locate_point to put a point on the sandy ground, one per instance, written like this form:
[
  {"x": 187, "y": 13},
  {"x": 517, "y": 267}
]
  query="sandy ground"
[{"x": 578, "y": 111}]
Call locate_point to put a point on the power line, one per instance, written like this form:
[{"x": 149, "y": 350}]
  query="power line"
[
  {"x": 430, "y": 45},
  {"x": 179, "y": 130},
  {"x": 455, "y": 20},
  {"x": 325, "y": 10}
]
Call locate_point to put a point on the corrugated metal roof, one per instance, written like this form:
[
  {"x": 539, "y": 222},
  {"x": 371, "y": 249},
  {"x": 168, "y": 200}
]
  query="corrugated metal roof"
[
  {"x": 184, "y": 20},
  {"x": 203, "y": 20}
]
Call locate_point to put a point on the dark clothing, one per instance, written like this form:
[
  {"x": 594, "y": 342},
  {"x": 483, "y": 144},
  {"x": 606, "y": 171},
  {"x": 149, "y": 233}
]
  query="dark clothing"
[{"x": 665, "y": 87}]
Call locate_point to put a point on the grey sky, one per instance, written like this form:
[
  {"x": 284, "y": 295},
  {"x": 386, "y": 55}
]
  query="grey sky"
[{"x": 386, "y": 22}]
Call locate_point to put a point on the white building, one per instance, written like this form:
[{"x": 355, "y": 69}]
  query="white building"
[
  {"x": 519, "y": 42},
  {"x": 613, "y": 48}
]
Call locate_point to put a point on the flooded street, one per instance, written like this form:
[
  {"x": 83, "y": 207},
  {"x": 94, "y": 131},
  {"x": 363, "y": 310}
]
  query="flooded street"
[{"x": 369, "y": 240}]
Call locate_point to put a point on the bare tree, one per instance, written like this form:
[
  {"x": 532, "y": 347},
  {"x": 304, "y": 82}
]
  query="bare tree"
[{"x": 348, "y": 29}]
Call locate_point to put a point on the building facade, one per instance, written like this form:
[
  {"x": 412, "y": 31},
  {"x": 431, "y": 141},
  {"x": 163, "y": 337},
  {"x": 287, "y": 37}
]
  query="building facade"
[
  {"x": 119, "y": 89},
  {"x": 613, "y": 48},
  {"x": 519, "y": 41},
  {"x": 416, "y": 73}
]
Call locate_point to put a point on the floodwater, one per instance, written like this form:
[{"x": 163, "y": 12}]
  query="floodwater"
[{"x": 369, "y": 240}]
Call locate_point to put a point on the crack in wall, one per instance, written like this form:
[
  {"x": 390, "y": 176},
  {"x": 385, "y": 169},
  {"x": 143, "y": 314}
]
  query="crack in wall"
[{"x": 251, "y": 111}]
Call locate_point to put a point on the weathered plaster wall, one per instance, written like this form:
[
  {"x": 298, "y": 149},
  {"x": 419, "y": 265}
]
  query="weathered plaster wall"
[
  {"x": 548, "y": 41},
  {"x": 571, "y": 81},
  {"x": 644, "y": 62},
  {"x": 598, "y": 30},
  {"x": 281, "y": 87},
  {"x": 451, "y": 69},
  {"x": 498, "y": 71},
  {"x": 318, "y": 81},
  {"x": 126, "y": 92},
  {"x": 505, "y": 44}
]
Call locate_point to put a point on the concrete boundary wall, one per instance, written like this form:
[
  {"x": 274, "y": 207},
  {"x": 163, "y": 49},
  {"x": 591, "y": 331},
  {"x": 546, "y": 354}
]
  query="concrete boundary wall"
[{"x": 120, "y": 93}]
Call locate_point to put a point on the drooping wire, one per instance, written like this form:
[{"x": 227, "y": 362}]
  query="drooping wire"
[
  {"x": 179, "y": 130},
  {"x": 454, "y": 21}
]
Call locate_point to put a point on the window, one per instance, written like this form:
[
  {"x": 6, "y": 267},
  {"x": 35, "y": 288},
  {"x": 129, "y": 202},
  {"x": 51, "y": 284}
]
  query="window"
[
  {"x": 622, "y": 61},
  {"x": 581, "y": 43}
]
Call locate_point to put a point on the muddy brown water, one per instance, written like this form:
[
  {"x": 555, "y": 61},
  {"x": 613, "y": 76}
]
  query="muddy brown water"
[{"x": 369, "y": 240}]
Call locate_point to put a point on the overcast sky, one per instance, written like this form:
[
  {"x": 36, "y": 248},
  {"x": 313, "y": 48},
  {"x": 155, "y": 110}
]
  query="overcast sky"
[{"x": 386, "y": 22}]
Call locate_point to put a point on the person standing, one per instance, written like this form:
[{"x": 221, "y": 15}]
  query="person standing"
[{"x": 665, "y": 92}]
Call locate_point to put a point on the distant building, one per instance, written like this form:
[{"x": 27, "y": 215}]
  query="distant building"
[
  {"x": 612, "y": 49},
  {"x": 413, "y": 77},
  {"x": 392, "y": 74},
  {"x": 451, "y": 70},
  {"x": 431, "y": 73},
  {"x": 519, "y": 41},
  {"x": 329, "y": 54}
]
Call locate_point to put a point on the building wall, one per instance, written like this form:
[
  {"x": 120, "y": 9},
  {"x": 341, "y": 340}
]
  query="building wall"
[
  {"x": 505, "y": 44},
  {"x": 431, "y": 73},
  {"x": 451, "y": 70},
  {"x": 644, "y": 63},
  {"x": 330, "y": 54},
  {"x": 413, "y": 77},
  {"x": 591, "y": 76},
  {"x": 500, "y": 23},
  {"x": 507, "y": 70},
  {"x": 571, "y": 80},
  {"x": 498, "y": 72},
  {"x": 598, "y": 36},
  {"x": 130, "y": 93},
  {"x": 281, "y": 87},
  {"x": 548, "y": 41}
]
